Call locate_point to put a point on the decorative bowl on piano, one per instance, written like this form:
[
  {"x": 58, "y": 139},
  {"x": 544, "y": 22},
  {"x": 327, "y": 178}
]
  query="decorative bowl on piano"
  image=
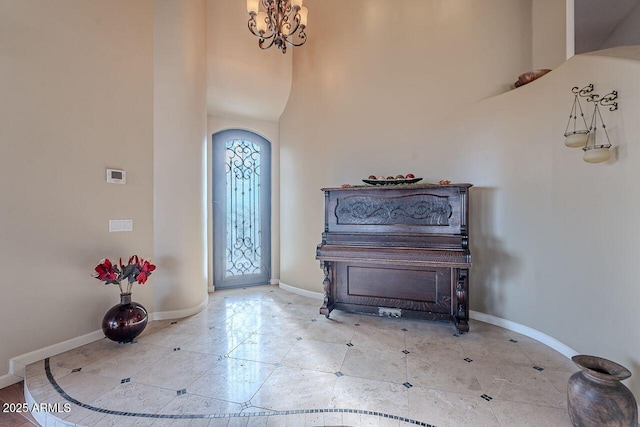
[{"x": 391, "y": 181}]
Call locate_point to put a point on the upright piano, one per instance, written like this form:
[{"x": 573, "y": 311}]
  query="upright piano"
[{"x": 397, "y": 251}]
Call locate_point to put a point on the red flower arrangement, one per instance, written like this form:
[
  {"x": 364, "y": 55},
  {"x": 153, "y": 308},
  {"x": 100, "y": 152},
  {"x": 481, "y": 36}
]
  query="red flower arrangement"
[{"x": 136, "y": 270}]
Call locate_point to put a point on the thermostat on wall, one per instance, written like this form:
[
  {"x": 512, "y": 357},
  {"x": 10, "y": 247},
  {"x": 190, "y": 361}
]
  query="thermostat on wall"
[{"x": 115, "y": 176}]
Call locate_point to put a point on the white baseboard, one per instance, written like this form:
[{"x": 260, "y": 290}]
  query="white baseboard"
[
  {"x": 274, "y": 281},
  {"x": 524, "y": 330},
  {"x": 303, "y": 292},
  {"x": 8, "y": 379},
  {"x": 476, "y": 315},
  {"x": 179, "y": 314},
  {"x": 18, "y": 364}
]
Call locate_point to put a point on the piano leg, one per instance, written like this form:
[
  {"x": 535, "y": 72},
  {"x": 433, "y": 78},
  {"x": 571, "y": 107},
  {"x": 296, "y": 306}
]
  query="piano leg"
[
  {"x": 327, "y": 304},
  {"x": 461, "y": 317}
]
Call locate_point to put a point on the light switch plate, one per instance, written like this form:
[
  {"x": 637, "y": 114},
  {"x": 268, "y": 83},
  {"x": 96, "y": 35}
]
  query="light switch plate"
[{"x": 120, "y": 225}]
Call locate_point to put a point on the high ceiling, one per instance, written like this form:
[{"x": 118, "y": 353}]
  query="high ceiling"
[{"x": 600, "y": 24}]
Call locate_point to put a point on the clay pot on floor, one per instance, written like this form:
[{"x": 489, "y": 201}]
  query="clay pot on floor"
[{"x": 597, "y": 398}]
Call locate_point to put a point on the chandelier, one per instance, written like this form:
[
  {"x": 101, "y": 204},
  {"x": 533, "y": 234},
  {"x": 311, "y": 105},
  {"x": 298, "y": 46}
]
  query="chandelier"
[{"x": 280, "y": 22}]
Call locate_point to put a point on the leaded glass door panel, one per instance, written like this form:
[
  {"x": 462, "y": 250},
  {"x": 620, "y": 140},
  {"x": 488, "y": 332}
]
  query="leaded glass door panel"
[{"x": 241, "y": 209}]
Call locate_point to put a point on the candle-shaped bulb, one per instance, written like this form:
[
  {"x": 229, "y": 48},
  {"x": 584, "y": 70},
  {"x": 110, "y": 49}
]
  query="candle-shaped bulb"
[
  {"x": 303, "y": 16},
  {"x": 261, "y": 22},
  {"x": 252, "y": 6}
]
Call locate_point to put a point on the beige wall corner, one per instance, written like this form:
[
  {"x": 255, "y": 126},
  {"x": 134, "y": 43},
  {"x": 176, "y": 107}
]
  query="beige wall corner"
[{"x": 180, "y": 121}]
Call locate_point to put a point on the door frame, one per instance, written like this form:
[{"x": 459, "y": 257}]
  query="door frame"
[{"x": 218, "y": 188}]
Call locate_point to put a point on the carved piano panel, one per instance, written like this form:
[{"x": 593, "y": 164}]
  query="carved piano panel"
[{"x": 400, "y": 250}]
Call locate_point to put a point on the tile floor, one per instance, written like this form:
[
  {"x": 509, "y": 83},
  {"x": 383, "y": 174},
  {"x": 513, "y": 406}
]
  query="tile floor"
[{"x": 261, "y": 356}]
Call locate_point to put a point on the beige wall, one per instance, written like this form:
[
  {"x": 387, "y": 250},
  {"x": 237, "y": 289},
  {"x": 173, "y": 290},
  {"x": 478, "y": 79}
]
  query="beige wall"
[
  {"x": 550, "y": 24},
  {"x": 77, "y": 98},
  {"x": 243, "y": 81},
  {"x": 369, "y": 102},
  {"x": 366, "y": 101},
  {"x": 180, "y": 124},
  {"x": 554, "y": 237}
]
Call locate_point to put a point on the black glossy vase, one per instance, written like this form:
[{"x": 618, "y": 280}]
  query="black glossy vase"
[
  {"x": 597, "y": 398},
  {"x": 125, "y": 321}
]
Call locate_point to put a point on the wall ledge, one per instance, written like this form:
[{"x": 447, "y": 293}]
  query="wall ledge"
[
  {"x": 629, "y": 53},
  {"x": 303, "y": 292},
  {"x": 179, "y": 314},
  {"x": 476, "y": 315},
  {"x": 18, "y": 364},
  {"x": 524, "y": 330}
]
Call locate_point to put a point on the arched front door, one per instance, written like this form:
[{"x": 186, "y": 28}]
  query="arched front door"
[{"x": 241, "y": 209}]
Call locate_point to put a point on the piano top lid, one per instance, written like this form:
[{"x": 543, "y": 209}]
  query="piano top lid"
[{"x": 396, "y": 186}]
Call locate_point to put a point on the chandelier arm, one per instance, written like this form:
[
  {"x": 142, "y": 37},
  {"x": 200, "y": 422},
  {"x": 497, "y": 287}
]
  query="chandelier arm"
[
  {"x": 270, "y": 24},
  {"x": 274, "y": 18},
  {"x": 262, "y": 40},
  {"x": 252, "y": 24},
  {"x": 296, "y": 21},
  {"x": 267, "y": 4},
  {"x": 265, "y": 37},
  {"x": 302, "y": 36},
  {"x": 285, "y": 23}
]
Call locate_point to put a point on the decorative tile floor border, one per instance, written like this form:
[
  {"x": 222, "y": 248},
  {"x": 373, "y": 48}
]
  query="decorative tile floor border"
[{"x": 64, "y": 394}]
